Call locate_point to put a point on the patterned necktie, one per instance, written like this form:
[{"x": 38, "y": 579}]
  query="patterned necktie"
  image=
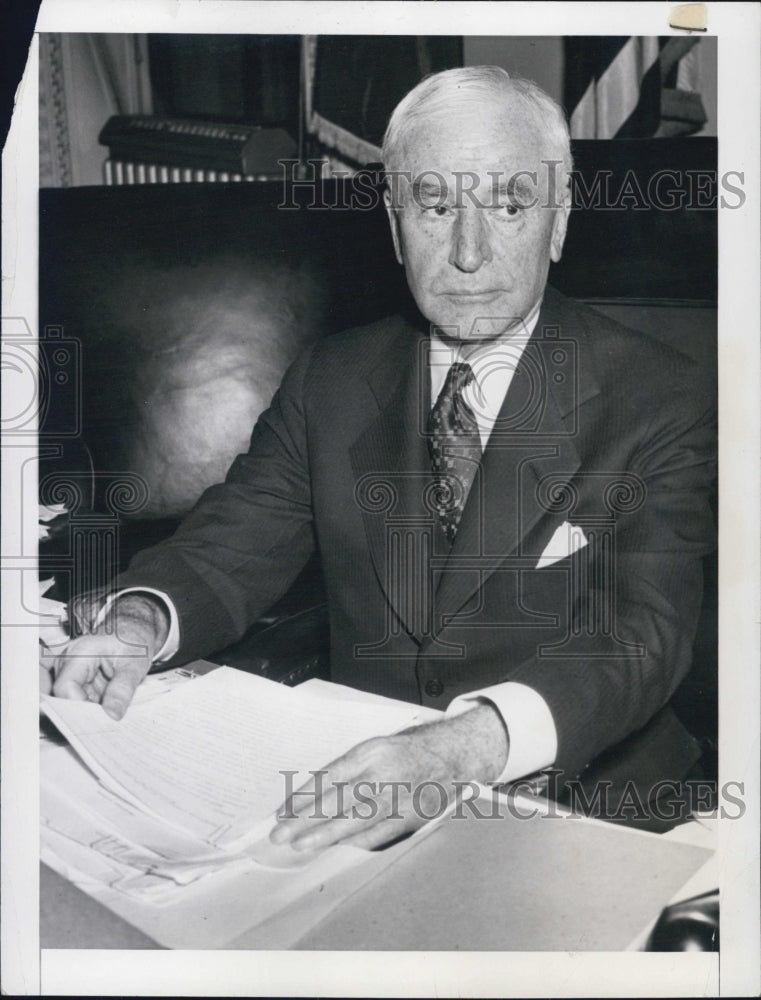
[{"x": 455, "y": 447}]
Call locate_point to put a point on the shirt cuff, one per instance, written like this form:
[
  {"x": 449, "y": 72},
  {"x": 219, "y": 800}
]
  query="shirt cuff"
[
  {"x": 172, "y": 641},
  {"x": 529, "y": 723}
]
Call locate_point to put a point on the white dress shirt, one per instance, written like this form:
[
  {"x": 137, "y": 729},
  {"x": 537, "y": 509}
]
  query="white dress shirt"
[{"x": 525, "y": 713}]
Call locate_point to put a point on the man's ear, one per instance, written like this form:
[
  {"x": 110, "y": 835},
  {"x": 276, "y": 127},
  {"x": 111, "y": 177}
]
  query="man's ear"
[
  {"x": 559, "y": 228},
  {"x": 393, "y": 221}
]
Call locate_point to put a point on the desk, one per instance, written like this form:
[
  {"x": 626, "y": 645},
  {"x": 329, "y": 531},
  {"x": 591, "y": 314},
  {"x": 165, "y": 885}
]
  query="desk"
[
  {"x": 513, "y": 878},
  {"x": 458, "y": 890}
]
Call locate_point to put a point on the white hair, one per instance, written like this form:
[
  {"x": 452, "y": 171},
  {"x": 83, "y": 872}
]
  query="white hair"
[{"x": 474, "y": 86}]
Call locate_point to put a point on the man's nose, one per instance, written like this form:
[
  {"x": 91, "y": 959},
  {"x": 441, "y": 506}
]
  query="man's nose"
[{"x": 470, "y": 240}]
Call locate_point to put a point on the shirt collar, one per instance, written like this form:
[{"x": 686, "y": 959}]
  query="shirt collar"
[{"x": 493, "y": 361}]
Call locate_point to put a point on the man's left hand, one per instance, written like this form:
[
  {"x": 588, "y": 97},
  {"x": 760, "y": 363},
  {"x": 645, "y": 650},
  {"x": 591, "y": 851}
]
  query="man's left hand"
[{"x": 389, "y": 786}]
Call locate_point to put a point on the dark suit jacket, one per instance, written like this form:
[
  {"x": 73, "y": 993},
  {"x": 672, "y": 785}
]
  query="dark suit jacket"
[{"x": 602, "y": 427}]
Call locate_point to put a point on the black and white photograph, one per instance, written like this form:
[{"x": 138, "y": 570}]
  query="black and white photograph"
[{"x": 380, "y": 501}]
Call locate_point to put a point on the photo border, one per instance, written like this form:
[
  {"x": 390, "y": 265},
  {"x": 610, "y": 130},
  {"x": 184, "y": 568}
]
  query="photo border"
[{"x": 735, "y": 970}]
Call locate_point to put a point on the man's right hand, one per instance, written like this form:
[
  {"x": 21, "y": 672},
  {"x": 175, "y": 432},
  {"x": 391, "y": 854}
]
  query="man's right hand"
[{"x": 108, "y": 664}]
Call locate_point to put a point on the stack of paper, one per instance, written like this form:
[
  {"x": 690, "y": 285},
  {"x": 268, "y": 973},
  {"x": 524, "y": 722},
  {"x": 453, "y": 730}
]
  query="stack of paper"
[{"x": 172, "y": 806}]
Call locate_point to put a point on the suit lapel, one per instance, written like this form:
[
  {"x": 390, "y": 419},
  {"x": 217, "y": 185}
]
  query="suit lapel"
[
  {"x": 533, "y": 438},
  {"x": 391, "y": 465}
]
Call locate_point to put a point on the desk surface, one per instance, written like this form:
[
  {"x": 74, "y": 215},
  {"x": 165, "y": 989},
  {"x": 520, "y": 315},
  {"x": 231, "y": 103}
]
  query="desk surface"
[{"x": 544, "y": 884}]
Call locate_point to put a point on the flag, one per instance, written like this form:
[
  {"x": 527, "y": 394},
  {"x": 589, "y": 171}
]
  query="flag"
[
  {"x": 613, "y": 87},
  {"x": 682, "y": 110}
]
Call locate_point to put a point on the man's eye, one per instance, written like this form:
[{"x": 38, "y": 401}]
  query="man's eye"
[
  {"x": 506, "y": 211},
  {"x": 438, "y": 210}
]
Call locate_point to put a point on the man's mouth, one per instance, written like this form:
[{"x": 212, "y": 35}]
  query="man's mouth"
[{"x": 477, "y": 296}]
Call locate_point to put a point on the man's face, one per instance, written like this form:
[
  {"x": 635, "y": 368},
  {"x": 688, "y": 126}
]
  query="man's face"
[{"x": 474, "y": 232}]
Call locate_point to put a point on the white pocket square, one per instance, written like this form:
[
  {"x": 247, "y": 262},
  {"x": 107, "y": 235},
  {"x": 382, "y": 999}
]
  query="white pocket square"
[{"x": 568, "y": 538}]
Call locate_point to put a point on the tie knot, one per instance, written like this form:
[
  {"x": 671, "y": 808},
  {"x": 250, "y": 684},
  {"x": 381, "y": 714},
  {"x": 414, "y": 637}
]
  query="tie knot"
[
  {"x": 450, "y": 407},
  {"x": 460, "y": 376}
]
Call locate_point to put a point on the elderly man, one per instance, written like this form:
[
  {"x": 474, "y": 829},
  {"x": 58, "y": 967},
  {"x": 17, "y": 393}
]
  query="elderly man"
[{"x": 509, "y": 496}]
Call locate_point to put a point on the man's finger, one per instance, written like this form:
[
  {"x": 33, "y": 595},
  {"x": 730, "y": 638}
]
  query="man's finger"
[
  {"x": 295, "y": 817},
  {"x": 99, "y": 684},
  {"x": 72, "y": 674},
  {"x": 320, "y": 799},
  {"x": 317, "y": 803},
  {"x": 46, "y": 680},
  {"x": 330, "y": 796},
  {"x": 366, "y": 833},
  {"x": 337, "y": 831},
  {"x": 95, "y": 688},
  {"x": 118, "y": 694},
  {"x": 377, "y": 836},
  {"x": 334, "y": 784}
]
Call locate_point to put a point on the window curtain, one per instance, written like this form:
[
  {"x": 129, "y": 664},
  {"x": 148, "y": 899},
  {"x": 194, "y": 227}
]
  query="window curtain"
[{"x": 84, "y": 79}]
